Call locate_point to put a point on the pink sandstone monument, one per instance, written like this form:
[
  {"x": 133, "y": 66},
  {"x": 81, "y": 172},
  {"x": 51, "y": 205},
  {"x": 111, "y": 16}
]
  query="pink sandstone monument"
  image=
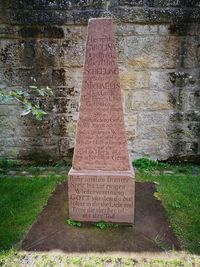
[{"x": 101, "y": 185}]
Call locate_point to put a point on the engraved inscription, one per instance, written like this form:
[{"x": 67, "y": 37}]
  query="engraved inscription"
[
  {"x": 100, "y": 138},
  {"x": 100, "y": 183},
  {"x": 100, "y": 197}
]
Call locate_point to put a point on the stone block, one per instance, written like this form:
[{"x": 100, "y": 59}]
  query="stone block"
[
  {"x": 131, "y": 15},
  {"x": 173, "y": 15},
  {"x": 63, "y": 147},
  {"x": 183, "y": 79},
  {"x": 65, "y": 105},
  {"x": 24, "y": 77},
  {"x": 152, "y": 125},
  {"x": 131, "y": 125},
  {"x": 194, "y": 129},
  {"x": 179, "y": 99},
  {"x": 194, "y": 99},
  {"x": 31, "y": 131},
  {"x": 59, "y": 125},
  {"x": 52, "y": 17},
  {"x": 10, "y": 110},
  {"x": 8, "y": 122},
  {"x": 154, "y": 148},
  {"x": 156, "y": 15},
  {"x": 190, "y": 52},
  {"x": 160, "y": 80},
  {"x": 167, "y": 3},
  {"x": 39, "y": 17},
  {"x": 16, "y": 53},
  {"x": 150, "y": 100},
  {"x": 182, "y": 29},
  {"x": 184, "y": 148},
  {"x": 177, "y": 131},
  {"x": 131, "y": 79},
  {"x": 9, "y": 153},
  {"x": 58, "y": 77},
  {"x": 66, "y": 91},
  {"x": 176, "y": 117},
  {"x": 8, "y": 31},
  {"x": 151, "y": 52},
  {"x": 61, "y": 53},
  {"x": 53, "y": 5},
  {"x": 136, "y": 29},
  {"x": 71, "y": 131},
  {"x": 73, "y": 78},
  {"x": 22, "y": 142},
  {"x": 192, "y": 115},
  {"x": 37, "y": 154},
  {"x": 131, "y": 2},
  {"x": 52, "y": 32}
]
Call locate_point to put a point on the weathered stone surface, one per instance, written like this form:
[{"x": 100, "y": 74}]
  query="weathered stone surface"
[
  {"x": 150, "y": 100},
  {"x": 158, "y": 50},
  {"x": 136, "y": 29},
  {"x": 180, "y": 29},
  {"x": 24, "y": 77},
  {"x": 152, "y": 147},
  {"x": 41, "y": 32},
  {"x": 155, "y": 78},
  {"x": 156, "y": 15},
  {"x": 61, "y": 4},
  {"x": 181, "y": 147},
  {"x": 191, "y": 115},
  {"x": 152, "y": 125},
  {"x": 105, "y": 196},
  {"x": 100, "y": 180},
  {"x": 131, "y": 126},
  {"x": 131, "y": 79},
  {"x": 194, "y": 99},
  {"x": 131, "y": 2},
  {"x": 39, "y": 155},
  {"x": 177, "y": 3},
  {"x": 168, "y": 3}
]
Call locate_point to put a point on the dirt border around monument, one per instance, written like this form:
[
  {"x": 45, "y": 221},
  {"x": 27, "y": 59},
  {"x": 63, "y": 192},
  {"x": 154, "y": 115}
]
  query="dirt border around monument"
[{"x": 151, "y": 232}]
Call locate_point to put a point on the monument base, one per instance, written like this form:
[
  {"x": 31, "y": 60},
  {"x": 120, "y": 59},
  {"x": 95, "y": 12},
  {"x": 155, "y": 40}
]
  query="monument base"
[{"x": 101, "y": 196}]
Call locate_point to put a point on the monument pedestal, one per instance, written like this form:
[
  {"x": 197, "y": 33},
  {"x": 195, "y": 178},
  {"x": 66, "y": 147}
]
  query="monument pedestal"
[{"x": 101, "y": 195}]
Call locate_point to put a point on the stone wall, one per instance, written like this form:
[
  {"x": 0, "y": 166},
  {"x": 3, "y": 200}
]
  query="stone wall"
[{"x": 42, "y": 42}]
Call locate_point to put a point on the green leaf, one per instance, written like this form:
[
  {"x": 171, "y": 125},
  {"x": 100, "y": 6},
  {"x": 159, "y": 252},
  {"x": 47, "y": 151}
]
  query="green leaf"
[
  {"x": 38, "y": 113},
  {"x": 25, "y": 112},
  {"x": 74, "y": 223},
  {"x": 101, "y": 225},
  {"x": 33, "y": 87},
  {"x": 5, "y": 99},
  {"x": 41, "y": 92},
  {"x": 19, "y": 92},
  {"x": 49, "y": 91}
]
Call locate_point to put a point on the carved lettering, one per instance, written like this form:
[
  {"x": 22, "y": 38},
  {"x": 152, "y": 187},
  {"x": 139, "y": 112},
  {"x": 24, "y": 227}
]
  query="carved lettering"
[{"x": 101, "y": 180}]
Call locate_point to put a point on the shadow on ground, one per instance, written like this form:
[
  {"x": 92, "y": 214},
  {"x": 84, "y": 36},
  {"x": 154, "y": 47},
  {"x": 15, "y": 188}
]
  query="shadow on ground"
[{"x": 151, "y": 232}]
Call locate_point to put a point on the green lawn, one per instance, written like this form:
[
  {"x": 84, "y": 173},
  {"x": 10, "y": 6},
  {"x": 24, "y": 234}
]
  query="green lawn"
[
  {"x": 22, "y": 199},
  {"x": 178, "y": 188},
  {"x": 25, "y": 190}
]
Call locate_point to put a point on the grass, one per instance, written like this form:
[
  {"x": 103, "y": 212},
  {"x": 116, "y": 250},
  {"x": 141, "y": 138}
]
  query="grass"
[
  {"x": 21, "y": 200},
  {"x": 178, "y": 187},
  {"x": 25, "y": 190},
  {"x": 21, "y": 259}
]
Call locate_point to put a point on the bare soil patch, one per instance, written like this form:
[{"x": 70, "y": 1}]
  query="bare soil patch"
[{"x": 151, "y": 232}]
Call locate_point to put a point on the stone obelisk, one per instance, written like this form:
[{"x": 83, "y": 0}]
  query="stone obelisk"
[{"x": 101, "y": 185}]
